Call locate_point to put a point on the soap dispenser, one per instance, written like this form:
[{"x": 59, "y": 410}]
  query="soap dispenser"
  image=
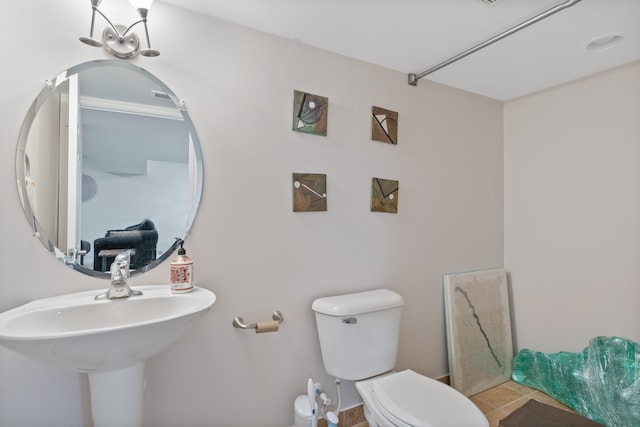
[{"x": 181, "y": 272}]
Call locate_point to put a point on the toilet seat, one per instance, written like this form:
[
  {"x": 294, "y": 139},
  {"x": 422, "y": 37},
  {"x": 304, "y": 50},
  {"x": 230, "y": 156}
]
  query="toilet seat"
[
  {"x": 388, "y": 397},
  {"x": 408, "y": 399}
]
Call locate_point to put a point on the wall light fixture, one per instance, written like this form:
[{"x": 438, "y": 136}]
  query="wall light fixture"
[{"x": 118, "y": 39}]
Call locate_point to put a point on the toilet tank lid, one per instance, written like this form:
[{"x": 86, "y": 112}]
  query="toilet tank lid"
[{"x": 358, "y": 303}]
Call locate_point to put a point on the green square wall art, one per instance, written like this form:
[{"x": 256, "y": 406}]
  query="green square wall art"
[
  {"x": 384, "y": 125},
  {"x": 310, "y": 113},
  {"x": 384, "y": 195},
  {"x": 309, "y": 192}
]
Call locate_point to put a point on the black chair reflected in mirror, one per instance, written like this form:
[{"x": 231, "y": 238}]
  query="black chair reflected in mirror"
[
  {"x": 85, "y": 248},
  {"x": 141, "y": 239}
]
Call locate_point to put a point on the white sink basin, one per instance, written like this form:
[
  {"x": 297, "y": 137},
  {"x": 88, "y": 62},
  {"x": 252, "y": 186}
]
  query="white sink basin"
[{"x": 75, "y": 331}]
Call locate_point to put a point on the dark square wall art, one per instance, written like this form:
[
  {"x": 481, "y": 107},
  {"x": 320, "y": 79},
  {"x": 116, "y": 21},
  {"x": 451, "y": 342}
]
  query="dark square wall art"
[
  {"x": 384, "y": 125},
  {"x": 309, "y": 192},
  {"x": 384, "y": 195},
  {"x": 310, "y": 113}
]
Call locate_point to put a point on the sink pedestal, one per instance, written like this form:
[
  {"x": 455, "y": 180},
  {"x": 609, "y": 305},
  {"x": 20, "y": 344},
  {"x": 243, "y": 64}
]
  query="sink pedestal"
[{"x": 116, "y": 396}]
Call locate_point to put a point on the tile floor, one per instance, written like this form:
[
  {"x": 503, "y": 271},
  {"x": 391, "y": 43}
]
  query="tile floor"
[{"x": 500, "y": 401}]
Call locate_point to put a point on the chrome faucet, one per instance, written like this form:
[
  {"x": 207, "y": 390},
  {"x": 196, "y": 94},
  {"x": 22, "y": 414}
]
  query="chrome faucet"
[{"x": 119, "y": 287}]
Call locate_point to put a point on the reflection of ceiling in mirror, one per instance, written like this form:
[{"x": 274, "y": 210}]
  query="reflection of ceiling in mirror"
[
  {"x": 122, "y": 143},
  {"x": 126, "y": 121},
  {"x": 122, "y": 85}
]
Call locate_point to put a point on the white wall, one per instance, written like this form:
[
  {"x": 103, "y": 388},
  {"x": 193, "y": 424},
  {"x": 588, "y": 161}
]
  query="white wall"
[
  {"x": 250, "y": 248},
  {"x": 572, "y": 211}
]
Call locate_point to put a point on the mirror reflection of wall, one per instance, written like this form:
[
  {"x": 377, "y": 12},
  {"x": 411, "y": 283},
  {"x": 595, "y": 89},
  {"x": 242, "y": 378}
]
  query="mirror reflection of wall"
[
  {"x": 42, "y": 163},
  {"x": 139, "y": 161},
  {"x": 132, "y": 165}
]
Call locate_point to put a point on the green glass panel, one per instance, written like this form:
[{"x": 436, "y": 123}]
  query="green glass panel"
[{"x": 602, "y": 383}]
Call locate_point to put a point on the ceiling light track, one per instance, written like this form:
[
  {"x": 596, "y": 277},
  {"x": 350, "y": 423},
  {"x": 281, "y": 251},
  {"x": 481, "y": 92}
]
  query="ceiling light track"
[{"x": 413, "y": 78}]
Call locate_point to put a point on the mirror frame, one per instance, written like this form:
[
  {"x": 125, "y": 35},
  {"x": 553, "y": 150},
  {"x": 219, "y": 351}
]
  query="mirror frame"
[{"x": 50, "y": 87}]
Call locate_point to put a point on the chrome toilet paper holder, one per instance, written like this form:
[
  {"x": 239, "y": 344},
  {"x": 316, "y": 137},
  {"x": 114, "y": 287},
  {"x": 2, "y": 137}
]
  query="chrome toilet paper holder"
[{"x": 238, "y": 322}]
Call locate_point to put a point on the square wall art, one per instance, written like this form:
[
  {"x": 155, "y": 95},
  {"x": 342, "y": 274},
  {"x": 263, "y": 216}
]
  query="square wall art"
[
  {"x": 310, "y": 113},
  {"x": 309, "y": 192},
  {"x": 384, "y": 195},
  {"x": 384, "y": 125}
]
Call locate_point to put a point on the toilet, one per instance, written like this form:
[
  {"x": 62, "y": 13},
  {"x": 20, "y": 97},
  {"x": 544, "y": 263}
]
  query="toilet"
[{"x": 359, "y": 335}]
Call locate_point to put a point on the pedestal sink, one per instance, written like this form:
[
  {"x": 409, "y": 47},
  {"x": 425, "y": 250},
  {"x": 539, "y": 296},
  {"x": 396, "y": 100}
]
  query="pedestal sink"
[{"x": 108, "y": 339}]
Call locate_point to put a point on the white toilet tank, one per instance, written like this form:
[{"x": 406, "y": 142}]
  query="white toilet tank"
[{"x": 359, "y": 332}]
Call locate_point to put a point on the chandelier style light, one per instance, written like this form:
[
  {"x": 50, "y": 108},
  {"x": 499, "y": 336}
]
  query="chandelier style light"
[{"x": 118, "y": 39}]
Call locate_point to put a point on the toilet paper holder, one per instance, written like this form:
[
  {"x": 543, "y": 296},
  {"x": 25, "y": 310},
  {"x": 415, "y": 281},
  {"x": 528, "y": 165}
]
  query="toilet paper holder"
[{"x": 238, "y": 322}]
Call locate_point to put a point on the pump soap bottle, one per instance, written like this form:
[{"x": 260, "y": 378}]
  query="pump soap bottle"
[{"x": 181, "y": 272}]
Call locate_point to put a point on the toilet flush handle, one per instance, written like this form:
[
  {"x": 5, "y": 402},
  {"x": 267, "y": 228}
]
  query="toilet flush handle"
[{"x": 350, "y": 320}]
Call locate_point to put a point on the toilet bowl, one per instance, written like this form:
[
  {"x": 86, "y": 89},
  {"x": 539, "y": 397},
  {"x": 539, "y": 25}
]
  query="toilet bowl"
[
  {"x": 359, "y": 340},
  {"x": 408, "y": 399}
]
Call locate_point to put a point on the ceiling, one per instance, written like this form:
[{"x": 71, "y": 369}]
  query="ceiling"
[{"x": 412, "y": 36}]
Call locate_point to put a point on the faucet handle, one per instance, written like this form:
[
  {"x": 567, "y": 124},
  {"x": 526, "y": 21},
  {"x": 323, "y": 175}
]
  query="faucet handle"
[
  {"x": 123, "y": 258},
  {"x": 122, "y": 261},
  {"x": 118, "y": 277}
]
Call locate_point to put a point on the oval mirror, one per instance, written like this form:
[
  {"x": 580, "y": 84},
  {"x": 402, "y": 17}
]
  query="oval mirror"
[{"x": 107, "y": 160}]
